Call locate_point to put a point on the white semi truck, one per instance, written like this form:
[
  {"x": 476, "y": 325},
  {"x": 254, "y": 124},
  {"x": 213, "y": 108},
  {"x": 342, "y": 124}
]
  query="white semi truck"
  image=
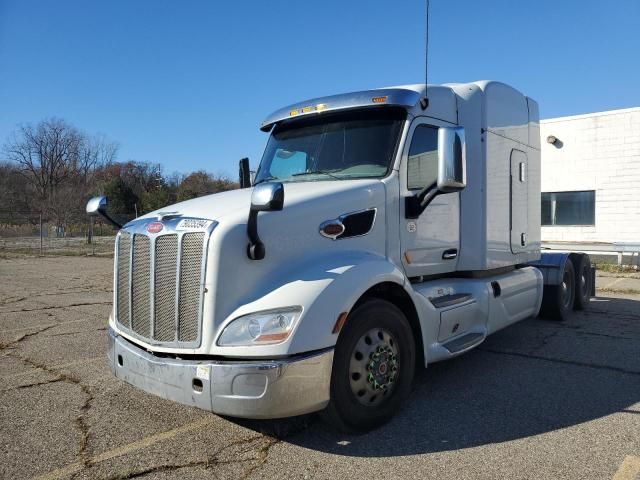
[{"x": 385, "y": 230}]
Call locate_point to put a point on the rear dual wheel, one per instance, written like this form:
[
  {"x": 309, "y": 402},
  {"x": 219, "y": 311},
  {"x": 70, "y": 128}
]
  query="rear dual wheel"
[
  {"x": 373, "y": 367},
  {"x": 584, "y": 282},
  {"x": 557, "y": 300},
  {"x": 574, "y": 292}
]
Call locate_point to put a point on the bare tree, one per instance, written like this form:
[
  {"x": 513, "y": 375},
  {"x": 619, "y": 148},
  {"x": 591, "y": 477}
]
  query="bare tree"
[
  {"x": 54, "y": 168},
  {"x": 59, "y": 163},
  {"x": 45, "y": 154},
  {"x": 15, "y": 191},
  {"x": 95, "y": 153}
]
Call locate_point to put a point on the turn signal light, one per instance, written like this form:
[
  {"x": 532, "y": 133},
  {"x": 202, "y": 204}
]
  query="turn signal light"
[
  {"x": 333, "y": 229},
  {"x": 342, "y": 318}
]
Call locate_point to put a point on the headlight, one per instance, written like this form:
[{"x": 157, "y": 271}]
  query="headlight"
[{"x": 261, "y": 328}]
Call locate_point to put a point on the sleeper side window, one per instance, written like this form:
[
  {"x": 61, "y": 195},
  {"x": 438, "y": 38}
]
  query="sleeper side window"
[{"x": 422, "y": 166}]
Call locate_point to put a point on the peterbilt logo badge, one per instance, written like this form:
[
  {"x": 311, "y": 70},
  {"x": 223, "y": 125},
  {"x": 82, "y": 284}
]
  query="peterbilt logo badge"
[{"x": 155, "y": 227}]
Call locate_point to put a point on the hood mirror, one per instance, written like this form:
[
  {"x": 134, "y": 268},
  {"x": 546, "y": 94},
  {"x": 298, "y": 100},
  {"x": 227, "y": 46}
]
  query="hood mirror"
[
  {"x": 266, "y": 197},
  {"x": 98, "y": 206}
]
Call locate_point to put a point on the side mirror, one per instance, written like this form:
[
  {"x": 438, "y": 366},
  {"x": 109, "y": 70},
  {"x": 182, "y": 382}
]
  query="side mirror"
[
  {"x": 98, "y": 206},
  {"x": 244, "y": 173},
  {"x": 452, "y": 171},
  {"x": 452, "y": 168},
  {"x": 266, "y": 197}
]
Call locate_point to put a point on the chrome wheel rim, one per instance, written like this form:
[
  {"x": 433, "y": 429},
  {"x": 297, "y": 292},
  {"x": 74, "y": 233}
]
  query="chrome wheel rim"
[{"x": 374, "y": 367}]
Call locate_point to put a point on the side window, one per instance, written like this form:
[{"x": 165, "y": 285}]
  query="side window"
[{"x": 422, "y": 167}]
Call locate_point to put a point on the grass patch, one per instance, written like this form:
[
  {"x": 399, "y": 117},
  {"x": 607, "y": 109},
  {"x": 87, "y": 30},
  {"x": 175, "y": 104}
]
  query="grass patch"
[
  {"x": 614, "y": 268},
  {"x": 624, "y": 291}
]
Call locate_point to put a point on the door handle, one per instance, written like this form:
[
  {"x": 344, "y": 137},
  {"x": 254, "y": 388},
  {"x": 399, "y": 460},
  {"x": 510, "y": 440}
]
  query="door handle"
[{"x": 450, "y": 254}]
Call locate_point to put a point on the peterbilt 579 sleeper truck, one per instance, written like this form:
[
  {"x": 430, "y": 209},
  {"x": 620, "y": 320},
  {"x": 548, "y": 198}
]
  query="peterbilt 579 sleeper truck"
[{"x": 385, "y": 230}]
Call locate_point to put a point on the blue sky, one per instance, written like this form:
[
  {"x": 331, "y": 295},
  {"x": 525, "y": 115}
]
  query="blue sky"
[{"x": 186, "y": 84}]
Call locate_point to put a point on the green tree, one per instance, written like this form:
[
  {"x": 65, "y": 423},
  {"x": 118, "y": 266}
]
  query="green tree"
[
  {"x": 202, "y": 183},
  {"x": 120, "y": 195},
  {"x": 155, "y": 199}
]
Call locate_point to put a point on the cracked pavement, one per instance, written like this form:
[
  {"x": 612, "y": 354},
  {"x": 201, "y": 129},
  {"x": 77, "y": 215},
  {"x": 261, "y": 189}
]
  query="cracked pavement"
[{"x": 537, "y": 400}]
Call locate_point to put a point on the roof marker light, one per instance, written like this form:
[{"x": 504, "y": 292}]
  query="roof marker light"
[{"x": 379, "y": 99}]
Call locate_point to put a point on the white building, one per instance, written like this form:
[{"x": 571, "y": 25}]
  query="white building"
[{"x": 591, "y": 180}]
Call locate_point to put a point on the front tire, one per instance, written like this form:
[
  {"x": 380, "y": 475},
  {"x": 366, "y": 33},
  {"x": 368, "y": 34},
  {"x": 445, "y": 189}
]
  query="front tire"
[{"x": 373, "y": 367}]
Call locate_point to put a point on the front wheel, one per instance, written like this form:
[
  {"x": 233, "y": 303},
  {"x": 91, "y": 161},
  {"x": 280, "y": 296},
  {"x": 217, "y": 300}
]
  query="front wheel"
[{"x": 373, "y": 367}]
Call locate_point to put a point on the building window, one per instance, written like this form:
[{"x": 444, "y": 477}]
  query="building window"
[{"x": 569, "y": 208}]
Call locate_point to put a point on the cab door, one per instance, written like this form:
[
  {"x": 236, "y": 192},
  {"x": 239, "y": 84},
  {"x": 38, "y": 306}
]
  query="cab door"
[{"x": 430, "y": 243}]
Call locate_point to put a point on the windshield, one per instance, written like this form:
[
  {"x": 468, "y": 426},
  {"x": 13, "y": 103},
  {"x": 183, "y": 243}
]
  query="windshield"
[{"x": 357, "y": 144}]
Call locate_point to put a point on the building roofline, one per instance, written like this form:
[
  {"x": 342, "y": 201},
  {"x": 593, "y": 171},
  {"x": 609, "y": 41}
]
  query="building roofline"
[{"x": 589, "y": 115}]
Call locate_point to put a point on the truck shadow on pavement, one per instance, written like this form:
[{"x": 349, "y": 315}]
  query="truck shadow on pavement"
[{"x": 533, "y": 377}]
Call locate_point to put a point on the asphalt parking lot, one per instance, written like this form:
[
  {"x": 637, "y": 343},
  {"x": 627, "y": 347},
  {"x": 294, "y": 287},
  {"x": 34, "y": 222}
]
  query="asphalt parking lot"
[{"x": 537, "y": 400}]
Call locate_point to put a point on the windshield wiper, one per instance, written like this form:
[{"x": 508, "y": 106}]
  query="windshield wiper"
[
  {"x": 318, "y": 172},
  {"x": 265, "y": 179}
]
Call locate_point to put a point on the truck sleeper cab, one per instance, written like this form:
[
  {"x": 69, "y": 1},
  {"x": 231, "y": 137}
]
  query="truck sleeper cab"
[{"x": 377, "y": 236}]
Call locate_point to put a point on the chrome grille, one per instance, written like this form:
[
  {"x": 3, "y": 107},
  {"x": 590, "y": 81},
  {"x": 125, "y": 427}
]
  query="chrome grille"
[
  {"x": 159, "y": 285},
  {"x": 140, "y": 285},
  {"x": 124, "y": 252},
  {"x": 189, "y": 287},
  {"x": 165, "y": 293}
]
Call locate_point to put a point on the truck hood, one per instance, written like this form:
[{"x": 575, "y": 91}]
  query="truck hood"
[
  {"x": 234, "y": 204},
  {"x": 212, "y": 207}
]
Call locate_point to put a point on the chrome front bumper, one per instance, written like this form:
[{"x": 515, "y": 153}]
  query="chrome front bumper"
[{"x": 249, "y": 389}]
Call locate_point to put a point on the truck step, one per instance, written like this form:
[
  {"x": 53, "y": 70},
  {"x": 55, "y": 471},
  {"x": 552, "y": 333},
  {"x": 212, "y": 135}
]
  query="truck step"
[
  {"x": 464, "y": 342},
  {"x": 450, "y": 300}
]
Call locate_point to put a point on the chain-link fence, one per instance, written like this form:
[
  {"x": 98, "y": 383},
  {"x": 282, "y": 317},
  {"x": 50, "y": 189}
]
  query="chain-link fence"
[{"x": 33, "y": 233}]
